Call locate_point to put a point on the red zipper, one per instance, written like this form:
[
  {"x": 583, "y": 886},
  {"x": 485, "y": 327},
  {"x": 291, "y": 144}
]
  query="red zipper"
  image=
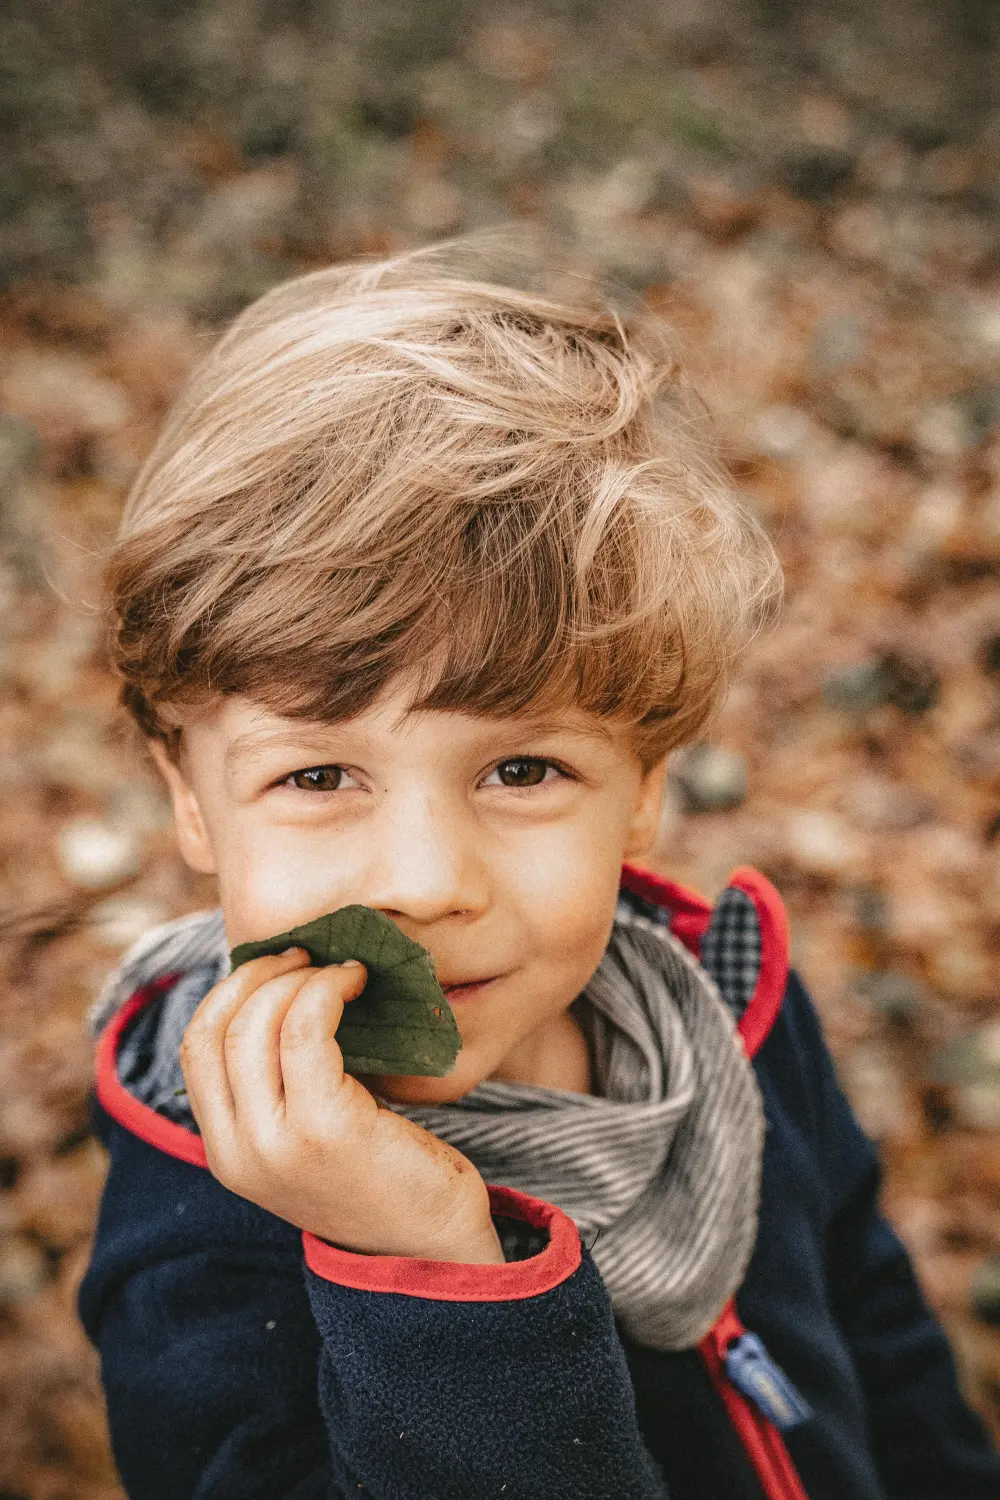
[{"x": 763, "y": 1442}]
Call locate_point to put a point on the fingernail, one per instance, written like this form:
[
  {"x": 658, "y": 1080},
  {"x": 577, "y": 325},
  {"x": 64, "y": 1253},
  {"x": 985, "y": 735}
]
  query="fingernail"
[{"x": 352, "y": 963}]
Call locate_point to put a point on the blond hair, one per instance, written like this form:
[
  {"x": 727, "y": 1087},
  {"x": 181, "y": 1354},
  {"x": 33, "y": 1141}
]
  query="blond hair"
[{"x": 390, "y": 468}]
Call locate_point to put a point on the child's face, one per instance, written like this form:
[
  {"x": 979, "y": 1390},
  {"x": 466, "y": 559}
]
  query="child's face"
[{"x": 496, "y": 843}]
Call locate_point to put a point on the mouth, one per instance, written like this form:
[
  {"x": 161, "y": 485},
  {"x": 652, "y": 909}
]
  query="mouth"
[{"x": 470, "y": 990}]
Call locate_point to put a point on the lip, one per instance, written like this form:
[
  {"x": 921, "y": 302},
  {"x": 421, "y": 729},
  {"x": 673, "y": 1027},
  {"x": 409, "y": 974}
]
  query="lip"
[{"x": 470, "y": 990}]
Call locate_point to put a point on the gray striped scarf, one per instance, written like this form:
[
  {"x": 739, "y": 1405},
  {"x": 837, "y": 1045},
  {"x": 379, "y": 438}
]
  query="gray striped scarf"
[{"x": 660, "y": 1169}]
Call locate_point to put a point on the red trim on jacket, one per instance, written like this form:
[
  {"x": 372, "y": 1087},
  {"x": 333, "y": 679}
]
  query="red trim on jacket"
[
  {"x": 762, "y": 1441},
  {"x": 154, "y": 1129},
  {"x": 451, "y": 1281}
]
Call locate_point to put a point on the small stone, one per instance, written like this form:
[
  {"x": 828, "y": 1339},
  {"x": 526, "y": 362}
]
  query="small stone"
[
  {"x": 914, "y": 685},
  {"x": 782, "y": 431},
  {"x": 891, "y": 994},
  {"x": 872, "y": 912},
  {"x": 926, "y": 909},
  {"x": 143, "y": 806},
  {"x": 979, "y": 1106},
  {"x": 879, "y": 805},
  {"x": 530, "y": 122},
  {"x": 972, "y": 1064},
  {"x": 855, "y": 689},
  {"x": 20, "y": 447},
  {"x": 910, "y": 684},
  {"x": 93, "y": 854},
  {"x": 877, "y": 1091},
  {"x": 816, "y": 173},
  {"x": 985, "y": 1291},
  {"x": 860, "y": 233},
  {"x": 944, "y": 430},
  {"x": 710, "y": 778},
  {"x": 885, "y": 164},
  {"x": 837, "y": 342},
  {"x": 821, "y": 842},
  {"x": 23, "y": 1271},
  {"x": 629, "y": 188},
  {"x": 982, "y": 322}
]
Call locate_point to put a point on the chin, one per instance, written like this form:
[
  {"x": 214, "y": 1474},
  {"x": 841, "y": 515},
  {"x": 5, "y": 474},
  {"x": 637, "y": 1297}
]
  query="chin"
[{"x": 404, "y": 1089}]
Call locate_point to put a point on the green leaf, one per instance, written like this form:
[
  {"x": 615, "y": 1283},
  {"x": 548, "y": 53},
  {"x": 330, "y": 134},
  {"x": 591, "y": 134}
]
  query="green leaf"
[{"x": 401, "y": 1022}]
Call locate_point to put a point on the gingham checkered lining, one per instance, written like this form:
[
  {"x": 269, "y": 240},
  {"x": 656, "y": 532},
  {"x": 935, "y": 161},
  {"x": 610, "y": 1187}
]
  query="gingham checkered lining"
[
  {"x": 519, "y": 1241},
  {"x": 731, "y": 947}
]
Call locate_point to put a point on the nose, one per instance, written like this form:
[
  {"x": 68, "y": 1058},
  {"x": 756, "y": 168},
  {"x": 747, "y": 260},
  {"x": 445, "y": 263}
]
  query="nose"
[{"x": 426, "y": 864}]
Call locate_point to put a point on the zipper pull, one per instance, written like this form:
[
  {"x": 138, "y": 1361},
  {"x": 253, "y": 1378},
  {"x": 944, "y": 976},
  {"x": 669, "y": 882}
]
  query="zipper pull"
[{"x": 755, "y": 1375}]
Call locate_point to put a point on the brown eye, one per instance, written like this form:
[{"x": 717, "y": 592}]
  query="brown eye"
[
  {"x": 318, "y": 779},
  {"x": 522, "y": 772}
]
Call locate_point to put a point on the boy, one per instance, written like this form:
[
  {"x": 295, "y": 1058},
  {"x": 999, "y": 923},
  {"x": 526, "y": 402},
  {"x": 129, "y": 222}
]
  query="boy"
[{"x": 423, "y": 582}]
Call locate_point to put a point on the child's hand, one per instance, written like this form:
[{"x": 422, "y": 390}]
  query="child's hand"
[{"x": 286, "y": 1127}]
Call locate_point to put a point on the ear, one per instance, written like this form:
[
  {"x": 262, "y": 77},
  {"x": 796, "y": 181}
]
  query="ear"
[
  {"x": 645, "y": 821},
  {"x": 192, "y": 836}
]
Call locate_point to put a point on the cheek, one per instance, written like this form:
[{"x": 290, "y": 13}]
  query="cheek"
[
  {"x": 566, "y": 900},
  {"x": 269, "y": 882}
]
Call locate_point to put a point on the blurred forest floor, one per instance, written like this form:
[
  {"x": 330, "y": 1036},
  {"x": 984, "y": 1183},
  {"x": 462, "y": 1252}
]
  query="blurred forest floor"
[{"x": 810, "y": 192}]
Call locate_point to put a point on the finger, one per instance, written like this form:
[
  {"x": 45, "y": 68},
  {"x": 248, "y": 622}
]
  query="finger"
[
  {"x": 312, "y": 1064},
  {"x": 202, "y": 1053},
  {"x": 251, "y": 1047}
]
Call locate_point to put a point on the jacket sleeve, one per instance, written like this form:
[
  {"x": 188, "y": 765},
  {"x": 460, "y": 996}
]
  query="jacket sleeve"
[
  {"x": 235, "y": 1365},
  {"x": 928, "y": 1443}
]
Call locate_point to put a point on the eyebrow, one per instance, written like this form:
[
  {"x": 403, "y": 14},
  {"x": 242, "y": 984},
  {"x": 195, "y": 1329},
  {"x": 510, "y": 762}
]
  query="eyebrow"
[
  {"x": 547, "y": 725},
  {"x": 255, "y": 743}
]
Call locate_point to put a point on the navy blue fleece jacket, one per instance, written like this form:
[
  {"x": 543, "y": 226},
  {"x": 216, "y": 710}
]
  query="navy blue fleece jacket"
[{"x": 241, "y": 1363}]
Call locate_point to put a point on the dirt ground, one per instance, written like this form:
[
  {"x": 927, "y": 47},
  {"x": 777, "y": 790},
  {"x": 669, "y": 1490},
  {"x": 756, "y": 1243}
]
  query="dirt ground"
[{"x": 810, "y": 193}]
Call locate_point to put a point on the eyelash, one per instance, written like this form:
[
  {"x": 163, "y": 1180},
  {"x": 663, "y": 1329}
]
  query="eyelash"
[
  {"x": 510, "y": 760},
  {"x": 533, "y": 760}
]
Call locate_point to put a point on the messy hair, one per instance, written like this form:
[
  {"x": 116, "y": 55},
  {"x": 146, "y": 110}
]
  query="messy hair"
[{"x": 392, "y": 468}]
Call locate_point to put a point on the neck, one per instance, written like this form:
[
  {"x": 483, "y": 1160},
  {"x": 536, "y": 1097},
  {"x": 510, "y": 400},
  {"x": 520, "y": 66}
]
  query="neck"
[{"x": 555, "y": 1056}]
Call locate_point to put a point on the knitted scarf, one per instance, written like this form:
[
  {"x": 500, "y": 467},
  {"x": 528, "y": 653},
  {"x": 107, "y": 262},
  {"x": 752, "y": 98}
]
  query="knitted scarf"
[{"x": 660, "y": 1170}]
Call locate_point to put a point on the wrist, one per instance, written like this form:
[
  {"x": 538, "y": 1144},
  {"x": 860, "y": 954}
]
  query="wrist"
[
  {"x": 483, "y": 1249},
  {"x": 469, "y": 1237},
  {"x": 467, "y": 1234}
]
